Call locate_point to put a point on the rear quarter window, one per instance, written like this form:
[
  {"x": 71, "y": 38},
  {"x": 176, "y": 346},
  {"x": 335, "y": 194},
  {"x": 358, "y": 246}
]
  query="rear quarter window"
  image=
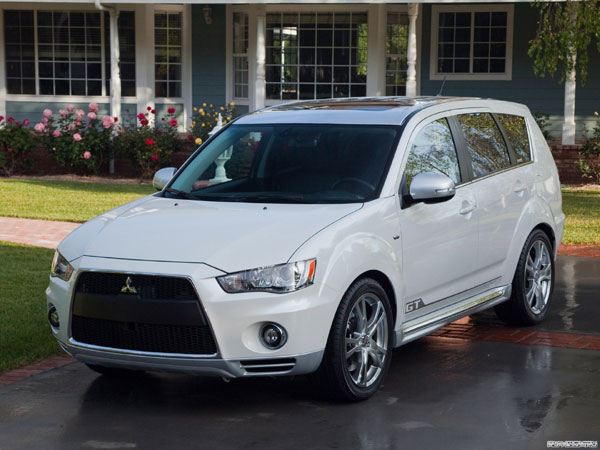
[
  {"x": 515, "y": 130},
  {"x": 485, "y": 144}
]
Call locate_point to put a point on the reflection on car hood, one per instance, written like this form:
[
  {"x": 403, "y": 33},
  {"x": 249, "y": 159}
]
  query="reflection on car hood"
[{"x": 227, "y": 236}]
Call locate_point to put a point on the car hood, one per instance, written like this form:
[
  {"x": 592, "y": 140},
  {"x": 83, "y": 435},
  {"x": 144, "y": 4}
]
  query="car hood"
[{"x": 227, "y": 236}]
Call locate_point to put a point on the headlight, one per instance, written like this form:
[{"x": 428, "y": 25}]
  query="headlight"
[
  {"x": 61, "y": 267},
  {"x": 279, "y": 279}
]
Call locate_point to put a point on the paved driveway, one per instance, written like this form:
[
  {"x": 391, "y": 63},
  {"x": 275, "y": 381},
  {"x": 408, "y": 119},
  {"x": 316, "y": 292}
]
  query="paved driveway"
[{"x": 440, "y": 393}]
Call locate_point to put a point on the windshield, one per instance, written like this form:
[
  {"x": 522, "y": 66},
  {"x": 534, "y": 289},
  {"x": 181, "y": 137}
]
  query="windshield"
[{"x": 286, "y": 163}]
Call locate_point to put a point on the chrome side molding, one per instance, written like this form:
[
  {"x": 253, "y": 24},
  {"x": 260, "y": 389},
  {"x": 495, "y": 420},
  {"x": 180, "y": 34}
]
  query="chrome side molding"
[{"x": 422, "y": 326}]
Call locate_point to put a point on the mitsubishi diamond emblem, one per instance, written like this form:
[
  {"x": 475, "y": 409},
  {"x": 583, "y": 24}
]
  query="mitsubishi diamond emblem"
[{"x": 128, "y": 288}]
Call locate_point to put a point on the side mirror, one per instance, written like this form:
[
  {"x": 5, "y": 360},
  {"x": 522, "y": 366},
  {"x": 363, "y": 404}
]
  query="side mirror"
[
  {"x": 162, "y": 177},
  {"x": 431, "y": 188}
]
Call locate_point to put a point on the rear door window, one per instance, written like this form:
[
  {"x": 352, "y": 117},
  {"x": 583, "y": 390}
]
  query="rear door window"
[
  {"x": 484, "y": 142},
  {"x": 515, "y": 131},
  {"x": 433, "y": 150}
]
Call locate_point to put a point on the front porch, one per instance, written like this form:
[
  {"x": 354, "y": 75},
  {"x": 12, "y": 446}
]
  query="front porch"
[{"x": 261, "y": 54}]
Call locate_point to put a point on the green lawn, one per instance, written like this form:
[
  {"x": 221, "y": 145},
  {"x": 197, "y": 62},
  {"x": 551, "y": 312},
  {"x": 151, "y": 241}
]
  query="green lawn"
[
  {"x": 582, "y": 208},
  {"x": 69, "y": 201},
  {"x": 25, "y": 335}
]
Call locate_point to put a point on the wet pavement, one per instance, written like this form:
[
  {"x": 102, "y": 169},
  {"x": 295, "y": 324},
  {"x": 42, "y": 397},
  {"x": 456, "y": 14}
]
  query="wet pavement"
[{"x": 439, "y": 393}]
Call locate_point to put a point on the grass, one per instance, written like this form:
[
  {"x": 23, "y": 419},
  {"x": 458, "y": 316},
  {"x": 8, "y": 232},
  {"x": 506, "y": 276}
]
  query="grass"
[
  {"x": 69, "y": 201},
  {"x": 582, "y": 208},
  {"x": 25, "y": 335}
]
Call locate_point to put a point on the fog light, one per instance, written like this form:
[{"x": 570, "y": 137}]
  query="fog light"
[
  {"x": 53, "y": 317},
  {"x": 273, "y": 336}
]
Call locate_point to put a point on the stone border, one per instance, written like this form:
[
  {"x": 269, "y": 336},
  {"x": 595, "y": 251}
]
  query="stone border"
[
  {"x": 585, "y": 251},
  {"x": 15, "y": 375}
]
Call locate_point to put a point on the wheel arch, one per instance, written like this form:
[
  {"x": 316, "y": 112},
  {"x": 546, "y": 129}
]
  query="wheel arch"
[{"x": 387, "y": 286}]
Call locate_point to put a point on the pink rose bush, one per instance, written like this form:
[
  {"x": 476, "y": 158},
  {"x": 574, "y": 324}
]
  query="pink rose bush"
[{"x": 78, "y": 140}]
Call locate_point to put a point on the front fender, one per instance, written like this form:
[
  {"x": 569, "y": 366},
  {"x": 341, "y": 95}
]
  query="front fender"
[{"x": 359, "y": 243}]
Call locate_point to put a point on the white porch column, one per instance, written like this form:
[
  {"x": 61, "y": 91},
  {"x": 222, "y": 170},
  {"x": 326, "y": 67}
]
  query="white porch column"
[
  {"x": 115, "y": 72},
  {"x": 259, "y": 81},
  {"x": 568, "y": 129},
  {"x": 411, "y": 53},
  {"x": 376, "y": 49}
]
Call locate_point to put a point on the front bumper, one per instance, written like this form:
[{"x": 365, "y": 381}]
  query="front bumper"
[
  {"x": 230, "y": 368},
  {"x": 235, "y": 320}
]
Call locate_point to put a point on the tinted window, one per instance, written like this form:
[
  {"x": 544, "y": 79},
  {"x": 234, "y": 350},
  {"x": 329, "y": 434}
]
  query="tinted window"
[
  {"x": 433, "y": 151},
  {"x": 290, "y": 163},
  {"x": 516, "y": 133},
  {"x": 484, "y": 143}
]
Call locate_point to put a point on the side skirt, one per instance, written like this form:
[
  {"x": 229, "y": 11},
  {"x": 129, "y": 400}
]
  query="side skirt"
[{"x": 416, "y": 328}]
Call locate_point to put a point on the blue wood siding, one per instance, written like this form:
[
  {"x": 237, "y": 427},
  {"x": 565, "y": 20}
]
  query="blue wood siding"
[
  {"x": 208, "y": 56},
  {"x": 542, "y": 95}
]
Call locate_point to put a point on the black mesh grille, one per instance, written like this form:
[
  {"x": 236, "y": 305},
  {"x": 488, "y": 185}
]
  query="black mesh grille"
[
  {"x": 160, "y": 314},
  {"x": 147, "y": 286},
  {"x": 144, "y": 337}
]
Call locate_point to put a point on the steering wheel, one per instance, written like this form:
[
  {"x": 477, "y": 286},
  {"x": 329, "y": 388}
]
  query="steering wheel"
[{"x": 354, "y": 180}]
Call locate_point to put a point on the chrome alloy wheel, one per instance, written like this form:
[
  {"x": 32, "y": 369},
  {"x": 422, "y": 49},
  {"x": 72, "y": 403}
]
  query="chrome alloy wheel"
[
  {"x": 366, "y": 340},
  {"x": 538, "y": 276}
]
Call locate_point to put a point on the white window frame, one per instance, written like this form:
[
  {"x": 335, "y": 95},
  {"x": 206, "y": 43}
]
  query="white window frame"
[
  {"x": 375, "y": 63},
  {"x": 35, "y": 7},
  {"x": 435, "y": 15}
]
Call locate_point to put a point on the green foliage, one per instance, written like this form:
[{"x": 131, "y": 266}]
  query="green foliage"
[
  {"x": 205, "y": 118},
  {"x": 16, "y": 145},
  {"x": 565, "y": 32},
  {"x": 148, "y": 145},
  {"x": 25, "y": 335},
  {"x": 589, "y": 164},
  {"x": 582, "y": 208},
  {"x": 77, "y": 140},
  {"x": 543, "y": 121}
]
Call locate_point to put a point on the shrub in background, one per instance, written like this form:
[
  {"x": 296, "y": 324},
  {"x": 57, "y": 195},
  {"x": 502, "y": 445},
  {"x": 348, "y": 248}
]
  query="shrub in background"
[
  {"x": 17, "y": 142},
  {"x": 78, "y": 140},
  {"x": 589, "y": 164},
  {"x": 149, "y": 145},
  {"x": 205, "y": 118}
]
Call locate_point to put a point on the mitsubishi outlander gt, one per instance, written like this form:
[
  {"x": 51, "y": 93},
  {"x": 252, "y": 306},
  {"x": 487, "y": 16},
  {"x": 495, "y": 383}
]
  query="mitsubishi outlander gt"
[{"x": 314, "y": 237}]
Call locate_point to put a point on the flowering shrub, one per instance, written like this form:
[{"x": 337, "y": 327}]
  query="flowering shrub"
[
  {"x": 205, "y": 118},
  {"x": 589, "y": 164},
  {"x": 16, "y": 144},
  {"x": 76, "y": 139},
  {"x": 147, "y": 145}
]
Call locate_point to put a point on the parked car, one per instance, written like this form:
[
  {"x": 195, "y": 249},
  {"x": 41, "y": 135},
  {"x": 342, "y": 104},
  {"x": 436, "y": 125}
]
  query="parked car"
[{"x": 316, "y": 237}]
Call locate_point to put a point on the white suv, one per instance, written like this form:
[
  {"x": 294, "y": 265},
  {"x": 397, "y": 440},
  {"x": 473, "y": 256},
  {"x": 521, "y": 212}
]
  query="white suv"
[{"x": 316, "y": 237}]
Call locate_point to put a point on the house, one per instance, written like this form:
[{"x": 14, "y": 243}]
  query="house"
[{"x": 255, "y": 54}]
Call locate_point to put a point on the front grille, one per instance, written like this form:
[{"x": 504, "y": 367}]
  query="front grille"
[
  {"x": 145, "y": 337},
  {"x": 147, "y": 313},
  {"x": 147, "y": 286}
]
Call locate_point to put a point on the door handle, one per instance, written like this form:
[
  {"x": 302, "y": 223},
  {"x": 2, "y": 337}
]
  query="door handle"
[{"x": 467, "y": 207}]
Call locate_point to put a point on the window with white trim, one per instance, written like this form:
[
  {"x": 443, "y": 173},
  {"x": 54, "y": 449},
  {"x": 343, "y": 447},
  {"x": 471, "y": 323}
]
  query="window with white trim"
[
  {"x": 395, "y": 53},
  {"x": 69, "y": 52},
  {"x": 240, "y": 55},
  {"x": 167, "y": 54},
  {"x": 316, "y": 55},
  {"x": 473, "y": 42},
  {"x": 126, "y": 52}
]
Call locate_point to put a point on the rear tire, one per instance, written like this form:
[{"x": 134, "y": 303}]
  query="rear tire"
[
  {"x": 114, "y": 372},
  {"x": 532, "y": 284},
  {"x": 359, "y": 348}
]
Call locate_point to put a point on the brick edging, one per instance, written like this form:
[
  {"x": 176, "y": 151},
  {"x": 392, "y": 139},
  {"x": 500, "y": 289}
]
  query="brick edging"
[
  {"x": 586, "y": 251},
  {"x": 15, "y": 375}
]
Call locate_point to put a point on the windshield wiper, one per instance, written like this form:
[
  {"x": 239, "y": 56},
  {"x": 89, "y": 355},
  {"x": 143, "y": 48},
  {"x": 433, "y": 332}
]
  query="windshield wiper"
[
  {"x": 181, "y": 193},
  {"x": 265, "y": 198}
]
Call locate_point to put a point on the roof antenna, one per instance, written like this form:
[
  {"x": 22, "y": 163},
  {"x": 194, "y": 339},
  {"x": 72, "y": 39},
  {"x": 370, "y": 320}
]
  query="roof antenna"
[{"x": 442, "y": 88}]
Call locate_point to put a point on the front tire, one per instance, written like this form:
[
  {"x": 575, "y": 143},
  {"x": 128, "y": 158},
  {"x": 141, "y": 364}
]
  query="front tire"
[
  {"x": 532, "y": 284},
  {"x": 359, "y": 347}
]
